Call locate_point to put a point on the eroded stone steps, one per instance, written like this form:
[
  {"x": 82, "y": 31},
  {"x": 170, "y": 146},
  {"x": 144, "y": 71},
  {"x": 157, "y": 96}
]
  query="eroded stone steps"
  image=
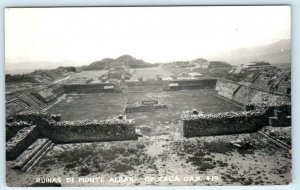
[
  {"x": 37, "y": 101},
  {"x": 29, "y": 153},
  {"x": 14, "y": 106},
  {"x": 28, "y": 101},
  {"x": 33, "y": 154},
  {"x": 33, "y": 103},
  {"x": 37, "y": 159}
]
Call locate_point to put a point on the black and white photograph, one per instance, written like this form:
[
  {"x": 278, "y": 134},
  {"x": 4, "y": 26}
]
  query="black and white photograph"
[{"x": 148, "y": 96}]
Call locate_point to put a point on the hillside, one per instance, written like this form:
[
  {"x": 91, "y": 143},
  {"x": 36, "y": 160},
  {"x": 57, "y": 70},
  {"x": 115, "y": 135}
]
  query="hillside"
[
  {"x": 124, "y": 60},
  {"x": 276, "y": 53}
]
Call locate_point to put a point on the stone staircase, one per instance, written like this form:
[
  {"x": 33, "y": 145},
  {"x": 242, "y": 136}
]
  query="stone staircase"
[
  {"x": 33, "y": 102},
  {"x": 33, "y": 154},
  {"x": 14, "y": 106},
  {"x": 32, "y": 105},
  {"x": 37, "y": 101}
]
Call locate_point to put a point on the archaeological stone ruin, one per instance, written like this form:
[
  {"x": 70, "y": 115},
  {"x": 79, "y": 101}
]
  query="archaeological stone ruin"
[{"x": 32, "y": 131}]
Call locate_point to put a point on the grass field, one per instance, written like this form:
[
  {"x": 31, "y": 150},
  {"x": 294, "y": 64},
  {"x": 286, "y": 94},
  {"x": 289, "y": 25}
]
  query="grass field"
[
  {"x": 100, "y": 106},
  {"x": 90, "y": 106}
]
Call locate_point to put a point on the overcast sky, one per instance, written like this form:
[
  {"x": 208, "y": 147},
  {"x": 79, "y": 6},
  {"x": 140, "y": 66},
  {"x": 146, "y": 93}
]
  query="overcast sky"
[{"x": 154, "y": 34}]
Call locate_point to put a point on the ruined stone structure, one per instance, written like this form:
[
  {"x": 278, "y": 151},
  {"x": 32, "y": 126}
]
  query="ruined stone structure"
[
  {"x": 91, "y": 131},
  {"x": 191, "y": 84},
  {"x": 144, "y": 106},
  {"x": 23, "y": 102},
  {"x": 119, "y": 72},
  {"x": 90, "y": 88},
  {"x": 31, "y": 132},
  {"x": 227, "y": 89},
  {"x": 14, "y": 106},
  {"x": 280, "y": 119},
  {"x": 49, "y": 94},
  {"x": 35, "y": 125},
  {"x": 18, "y": 143},
  {"x": 12, "y": 128},
  {"x": 279, "y": 113},
  {"x": 214, "y": 68},
  {"x": 246, "y": 95},
  {"x": 195, "y": 125},
  {"x": 262, "y": 109},
  {"x": 40, "y": 99}
]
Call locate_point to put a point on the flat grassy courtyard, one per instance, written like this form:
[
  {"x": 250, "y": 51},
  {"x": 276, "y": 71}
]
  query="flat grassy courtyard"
[{"x": 103, "y": 105}]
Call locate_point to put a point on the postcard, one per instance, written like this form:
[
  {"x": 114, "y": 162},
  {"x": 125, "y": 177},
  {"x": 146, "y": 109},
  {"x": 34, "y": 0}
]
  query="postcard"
[{"x": 139, "y": 96}]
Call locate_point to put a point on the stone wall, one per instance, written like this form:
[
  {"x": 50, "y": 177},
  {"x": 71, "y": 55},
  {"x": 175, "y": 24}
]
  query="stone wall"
[
  {"x": 90, "y": 88},
  {"x": 78, "y": 131},
  {"x": 283, "y": 106},
  {"x": 146, "y": 83},
  {"x": 195, "y": 125},
  {"x": 191, "y": 84},
  {"x": 13, "y": 128},
  {"x": 90, "y": 131},
  {"x": 26, "y": 127},
  {"x": 34, "y": 118}
]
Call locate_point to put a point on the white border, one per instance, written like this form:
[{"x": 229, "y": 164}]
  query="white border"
[{"x": 295, "y": 69}]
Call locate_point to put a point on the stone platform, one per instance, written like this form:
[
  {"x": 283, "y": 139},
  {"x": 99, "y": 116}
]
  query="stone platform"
[{"x": 144, "y": 106}]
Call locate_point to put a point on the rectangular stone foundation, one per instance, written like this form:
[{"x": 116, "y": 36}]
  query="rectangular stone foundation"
[
  {"x": 44, "y": 125},
  {"x": 145, "y": 108}
]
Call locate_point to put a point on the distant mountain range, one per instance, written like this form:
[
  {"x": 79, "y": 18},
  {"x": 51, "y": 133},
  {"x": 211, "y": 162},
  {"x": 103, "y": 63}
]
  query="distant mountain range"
[
  {"x": 124, "y": 60},
  {"x": 276, "y": 53},
  {"x": 28, "y": 67}
]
